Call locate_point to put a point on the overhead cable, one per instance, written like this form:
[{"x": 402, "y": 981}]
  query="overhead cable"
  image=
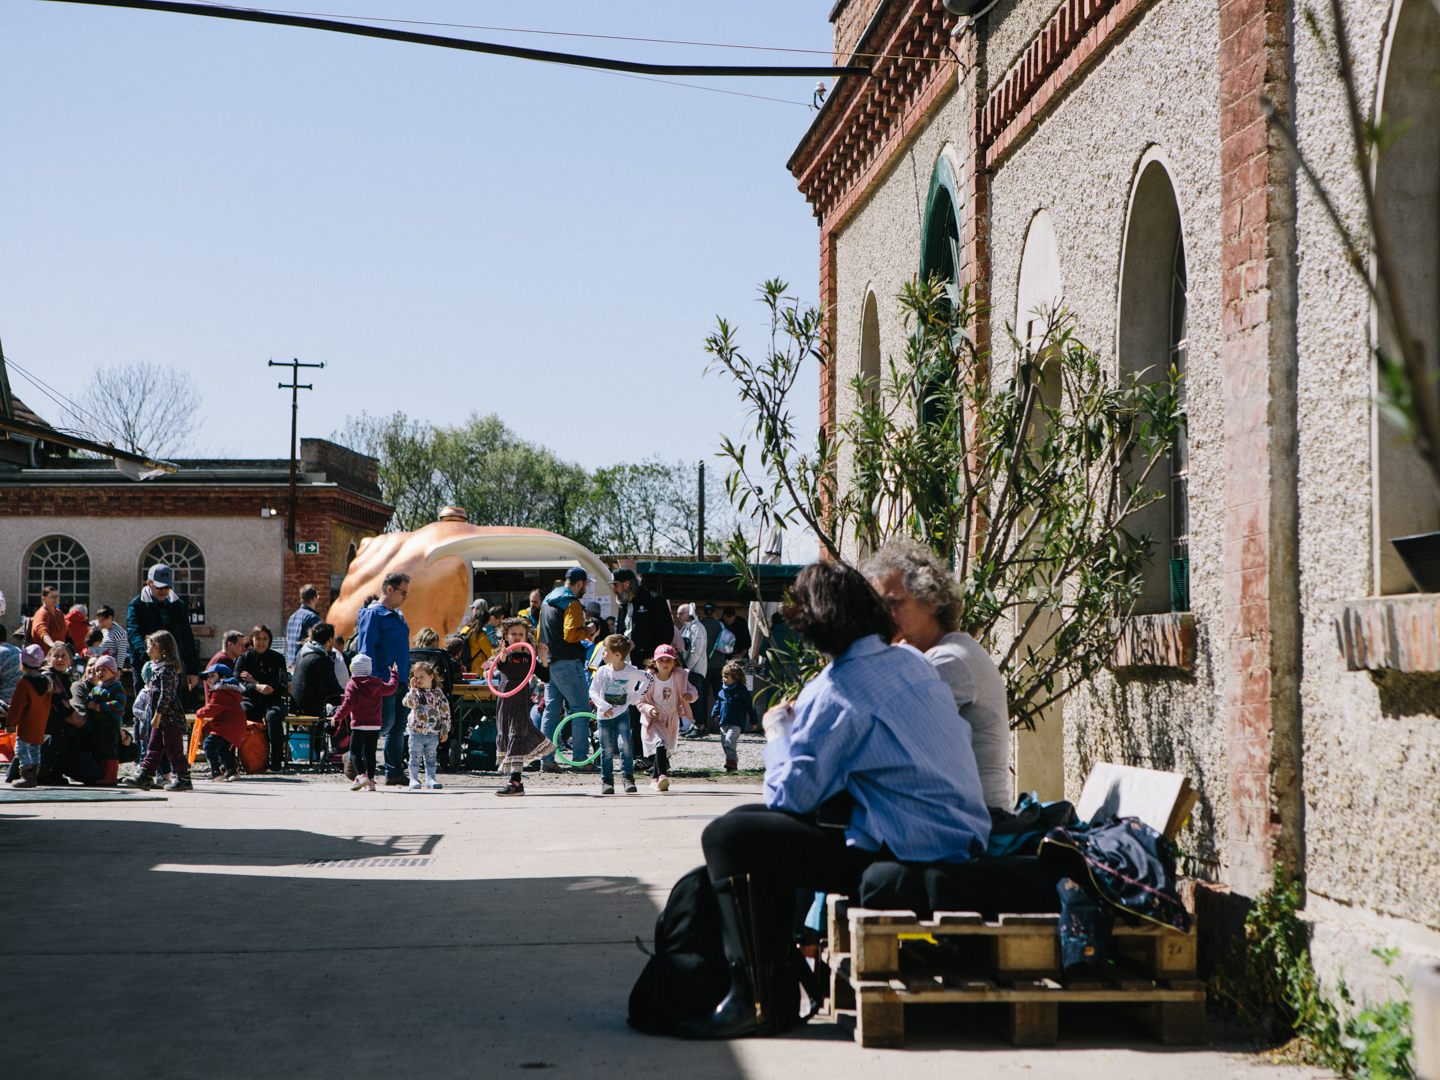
[{"x": 519, "y": 52}]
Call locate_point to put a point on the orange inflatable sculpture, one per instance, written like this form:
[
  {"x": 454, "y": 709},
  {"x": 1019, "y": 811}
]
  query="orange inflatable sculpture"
[{"x": 441, "y": 558}]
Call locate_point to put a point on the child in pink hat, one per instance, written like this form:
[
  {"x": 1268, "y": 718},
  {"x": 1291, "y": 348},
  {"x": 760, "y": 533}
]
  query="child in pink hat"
[{"x": 666, "y": 700}]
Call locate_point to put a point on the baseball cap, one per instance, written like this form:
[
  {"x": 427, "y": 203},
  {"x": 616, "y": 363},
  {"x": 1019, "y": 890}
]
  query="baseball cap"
[
  {"x": 223, "y": 670},
  {"x": 160, "y": 574},
  {"x": 576, "y": 573},
  {"x": 666, "y": 652},
  {"x": 708, "y": 608},
  {"x": 624, "y": 574}
]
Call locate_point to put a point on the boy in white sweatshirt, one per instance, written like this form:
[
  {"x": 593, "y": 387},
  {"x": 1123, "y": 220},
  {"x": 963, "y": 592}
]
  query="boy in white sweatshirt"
[{"x": 615, "y": 686}]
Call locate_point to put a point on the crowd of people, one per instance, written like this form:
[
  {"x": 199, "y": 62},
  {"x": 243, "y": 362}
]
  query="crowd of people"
[{"x": 649, "y": 674}]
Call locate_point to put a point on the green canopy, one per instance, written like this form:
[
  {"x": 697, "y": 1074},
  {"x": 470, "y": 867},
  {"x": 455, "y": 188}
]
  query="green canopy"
[{"x": 683, "y": 581}]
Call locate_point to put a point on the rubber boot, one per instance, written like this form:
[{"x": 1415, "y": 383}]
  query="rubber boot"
[
  {"x": 751, "y": 957},
  {"x": 27, "y": 776}
]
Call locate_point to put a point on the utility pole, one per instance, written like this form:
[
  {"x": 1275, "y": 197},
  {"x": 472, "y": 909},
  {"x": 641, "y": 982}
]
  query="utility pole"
[
  {"x": 294, "y": 386},
  {"x": 700, "y": 524}
]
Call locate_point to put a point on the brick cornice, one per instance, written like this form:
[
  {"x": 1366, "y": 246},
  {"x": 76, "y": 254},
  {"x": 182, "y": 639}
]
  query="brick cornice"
[
  {"x": 115, "y": 500},
  {"x": 852, "y": 139}
]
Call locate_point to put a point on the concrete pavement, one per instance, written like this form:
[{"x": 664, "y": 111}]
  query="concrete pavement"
[{"x": 289, "y": 927}]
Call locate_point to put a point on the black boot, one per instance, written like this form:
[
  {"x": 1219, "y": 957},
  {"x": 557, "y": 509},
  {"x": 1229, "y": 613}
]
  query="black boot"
[
  {"x": 752, "y": 952},
  {"x": 12, "y": 773}
]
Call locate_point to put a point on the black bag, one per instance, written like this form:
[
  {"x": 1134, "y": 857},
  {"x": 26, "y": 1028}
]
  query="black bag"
[{"x": 687, "y": 977}]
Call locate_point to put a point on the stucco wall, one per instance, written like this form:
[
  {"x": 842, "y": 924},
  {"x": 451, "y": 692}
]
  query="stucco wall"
[
  {"x": 1371, "y": 747},
  {"x": 243, "y": 562}
]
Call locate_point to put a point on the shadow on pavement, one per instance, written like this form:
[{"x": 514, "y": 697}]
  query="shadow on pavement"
[{"x": 239, "y": 959}]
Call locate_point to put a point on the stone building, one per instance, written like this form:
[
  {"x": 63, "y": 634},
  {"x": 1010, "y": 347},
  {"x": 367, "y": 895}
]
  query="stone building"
[
  {"x": 81, "y": 525},
  {"x": 1113, "y": 156}
]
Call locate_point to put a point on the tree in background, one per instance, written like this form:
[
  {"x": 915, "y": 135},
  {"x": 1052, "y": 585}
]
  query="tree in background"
[{"x": 142, "y": 407}]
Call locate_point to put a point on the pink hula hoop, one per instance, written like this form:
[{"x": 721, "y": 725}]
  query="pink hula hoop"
[{"x": 522, "y": 684}]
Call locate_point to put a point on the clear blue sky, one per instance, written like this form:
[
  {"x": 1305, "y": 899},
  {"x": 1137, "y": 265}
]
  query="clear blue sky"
[{"x": 448, "y": 232}]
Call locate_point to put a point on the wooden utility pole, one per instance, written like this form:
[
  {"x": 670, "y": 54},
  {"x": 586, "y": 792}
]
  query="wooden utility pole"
[
  {"x": 700, "y": 523},
  {"x": 294, "y": 386}
]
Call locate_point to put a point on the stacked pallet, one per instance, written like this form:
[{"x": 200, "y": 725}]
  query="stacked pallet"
[{"x": 883, "y": 963}]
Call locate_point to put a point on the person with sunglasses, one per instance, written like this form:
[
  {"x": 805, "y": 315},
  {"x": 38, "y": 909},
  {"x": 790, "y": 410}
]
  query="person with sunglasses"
[{"x": 382, "y": 634}]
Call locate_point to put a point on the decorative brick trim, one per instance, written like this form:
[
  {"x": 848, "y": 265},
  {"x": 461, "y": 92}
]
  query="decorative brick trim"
[
  {"x": 1390, "y": 633},
  {"x": 1156, "y": 642},
  {"x": 1259, "y": 695},
  {"x": 867, "y": 122},
  {"x": 1074, "y": 38}
]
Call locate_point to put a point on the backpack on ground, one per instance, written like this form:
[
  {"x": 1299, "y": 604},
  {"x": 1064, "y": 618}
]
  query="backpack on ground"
[{"x": 686, "y": 977}]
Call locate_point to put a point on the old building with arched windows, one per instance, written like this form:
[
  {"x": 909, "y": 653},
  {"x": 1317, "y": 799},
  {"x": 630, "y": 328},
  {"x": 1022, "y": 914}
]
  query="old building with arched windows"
[{"x": 1113, "y": 157}]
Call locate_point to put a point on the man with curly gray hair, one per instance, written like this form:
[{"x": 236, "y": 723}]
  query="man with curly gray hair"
[{"x": 925, "y": 601}]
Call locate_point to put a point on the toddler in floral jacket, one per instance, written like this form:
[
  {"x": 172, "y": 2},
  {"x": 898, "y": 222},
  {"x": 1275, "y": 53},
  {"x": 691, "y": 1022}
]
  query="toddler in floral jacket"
[{"x": 429, "y": 723}]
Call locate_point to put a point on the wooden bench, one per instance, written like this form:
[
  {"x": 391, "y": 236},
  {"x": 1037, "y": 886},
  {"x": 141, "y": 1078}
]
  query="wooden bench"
[{"x": 883, "y": 962}]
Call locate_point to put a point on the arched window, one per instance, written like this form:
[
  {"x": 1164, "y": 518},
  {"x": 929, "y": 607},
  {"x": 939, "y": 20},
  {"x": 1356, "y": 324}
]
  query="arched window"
[
  {"x": 1407, "y": 185},
  {"x": 870, "y": 345},
  {"x": 61, "y": 562},
  {"x": 185, "y": 559},
  {"x": 1152, "y": 339},
  {"x": 940, "y": 242}
]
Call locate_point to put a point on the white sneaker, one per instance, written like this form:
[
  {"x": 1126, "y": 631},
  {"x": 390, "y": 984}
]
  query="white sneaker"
[
  {"x": 359, "y": 783},
  {"x": 663, "y": 784},
  {"x": 414, "y": 785},
  {"x": 434, "y": 785},
  {"x": 369, "y": 785}
]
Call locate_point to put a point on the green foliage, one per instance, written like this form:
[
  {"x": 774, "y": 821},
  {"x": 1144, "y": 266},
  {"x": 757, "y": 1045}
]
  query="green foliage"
[
  {"x": 1026, "y": 480},
  {"x": 501, "y": 479},
  {"x": 1276, "y": 986}
]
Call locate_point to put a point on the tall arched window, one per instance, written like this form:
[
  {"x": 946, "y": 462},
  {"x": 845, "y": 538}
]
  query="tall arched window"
[
  {"x": 1151, "y": 339},
  {"x": 1407, "y": 186},
  {"x": 870, "y": 345},
  {"x": 61, "y": 562},
  {"x": 186, "y": 560},
  {"x": 940, "y": 242}
]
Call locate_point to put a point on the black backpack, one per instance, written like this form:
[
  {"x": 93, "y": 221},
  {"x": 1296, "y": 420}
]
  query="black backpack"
[{"x": 686, "y": 976}]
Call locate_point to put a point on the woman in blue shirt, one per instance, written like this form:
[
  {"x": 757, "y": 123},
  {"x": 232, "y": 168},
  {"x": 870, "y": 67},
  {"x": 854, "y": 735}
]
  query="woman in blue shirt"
[{"x": 879, "y": 728}]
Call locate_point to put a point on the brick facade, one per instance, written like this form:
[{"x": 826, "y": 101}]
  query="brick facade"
[{"x": 1260, "y": 591}]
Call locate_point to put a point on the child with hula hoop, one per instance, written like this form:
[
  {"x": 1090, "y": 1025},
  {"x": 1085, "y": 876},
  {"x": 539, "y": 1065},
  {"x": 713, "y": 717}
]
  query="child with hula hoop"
[
  {"x": 616, "y": 685},
  {"x": 517, "y": 740}
]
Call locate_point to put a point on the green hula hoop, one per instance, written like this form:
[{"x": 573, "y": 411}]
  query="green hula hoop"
[{"x": 555, "y": 738}]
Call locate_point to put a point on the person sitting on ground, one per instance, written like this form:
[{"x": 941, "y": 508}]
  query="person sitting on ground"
[
  {"x": 67, "y": 750},
  {"x": 733, "y": 713},
  {"x": 107, "y": 724},
  {"x": 262, "y": 670},
  {"x": 224, "y": 715},
  {"x": 877, "y": 726},
  {"x": 315, "y": 684},
  {"x": 27, "y": 717},
  {"x": 924, "y": 599}
]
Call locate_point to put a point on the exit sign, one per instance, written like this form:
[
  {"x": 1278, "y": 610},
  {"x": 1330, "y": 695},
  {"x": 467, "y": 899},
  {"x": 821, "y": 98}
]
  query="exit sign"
[{"x": 307, "y": 547}]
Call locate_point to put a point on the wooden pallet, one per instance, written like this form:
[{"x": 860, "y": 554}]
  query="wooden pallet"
[{"x": 882, "y": 962}]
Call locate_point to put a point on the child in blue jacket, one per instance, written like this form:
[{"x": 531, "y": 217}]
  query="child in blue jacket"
[{"x": 734, "y": 710}]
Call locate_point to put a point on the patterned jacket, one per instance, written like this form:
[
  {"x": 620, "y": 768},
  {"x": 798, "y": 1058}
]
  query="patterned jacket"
[{"x": 429, "y": 711}]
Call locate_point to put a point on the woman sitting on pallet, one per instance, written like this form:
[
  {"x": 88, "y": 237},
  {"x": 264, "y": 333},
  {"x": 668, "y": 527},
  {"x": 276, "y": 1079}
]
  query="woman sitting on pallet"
[{"x": 879, "y": 729}]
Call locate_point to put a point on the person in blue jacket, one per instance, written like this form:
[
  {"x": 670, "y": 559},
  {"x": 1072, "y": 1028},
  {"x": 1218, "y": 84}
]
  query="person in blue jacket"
[{"x": 382, "y": 634}]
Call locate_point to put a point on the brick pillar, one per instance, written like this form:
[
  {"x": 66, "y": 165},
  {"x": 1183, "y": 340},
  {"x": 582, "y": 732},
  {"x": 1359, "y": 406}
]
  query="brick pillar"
[
  {"x": 1259, "y": 695},
  {"x": 974, "y": 268},
  {"x": 829, "y": 301}
]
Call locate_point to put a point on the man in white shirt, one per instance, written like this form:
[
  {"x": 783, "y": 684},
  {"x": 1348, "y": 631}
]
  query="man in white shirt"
[{"x": 696, "y": 659}]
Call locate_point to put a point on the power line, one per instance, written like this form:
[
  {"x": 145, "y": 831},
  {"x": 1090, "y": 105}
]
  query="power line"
[
  {"x": 579, "y": 34},
  {"x": 75, "y": 411},
  {"x": 711, "y": 89},
  {"x": 518, "y": 52}
]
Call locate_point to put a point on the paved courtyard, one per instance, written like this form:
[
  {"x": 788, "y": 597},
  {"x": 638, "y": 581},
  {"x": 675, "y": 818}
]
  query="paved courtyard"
[{"x": 288, "y": 927}]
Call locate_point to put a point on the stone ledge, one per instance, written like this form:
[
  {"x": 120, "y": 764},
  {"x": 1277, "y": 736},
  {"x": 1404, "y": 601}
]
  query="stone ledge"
[
  {"x": 1391, "y": 633},
  {"x": 1156, "y": 642}
]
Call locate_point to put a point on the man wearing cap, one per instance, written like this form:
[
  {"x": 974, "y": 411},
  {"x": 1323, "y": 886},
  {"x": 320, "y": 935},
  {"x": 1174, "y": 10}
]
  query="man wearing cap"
[
  {"x": 562, "y": 632},
  {"x": 160, "y": 607},
  {"x": 645, "y": 619}
]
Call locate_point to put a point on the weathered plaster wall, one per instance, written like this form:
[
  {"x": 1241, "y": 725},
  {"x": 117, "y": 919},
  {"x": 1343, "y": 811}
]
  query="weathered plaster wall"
[
  {"x": 1371, "y": 775},
  {"x": 1080, "y": 167},
  {"x": 1008, "y": 28}
]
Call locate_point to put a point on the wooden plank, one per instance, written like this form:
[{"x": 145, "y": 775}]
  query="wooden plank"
[
  {"x": 1025, "y": 954},
  {"x": 943, "y": 920},
  {"x": 879, "y": 1017},
  {"x": 1126, "y": 791},
  {"x": 1045, "y": 990},
  {"x": 1034, "y": 1024},
  {"x": 837, "y": 923},
  {"x": 871, "y": 917},
  {"x": 876, "y": 952}
]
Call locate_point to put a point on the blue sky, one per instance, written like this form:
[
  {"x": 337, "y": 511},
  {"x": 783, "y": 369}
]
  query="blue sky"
[{"x": 448, "y": 232}]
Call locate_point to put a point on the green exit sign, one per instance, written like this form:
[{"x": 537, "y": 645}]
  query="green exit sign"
[{"x": 307, "y": 547}]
